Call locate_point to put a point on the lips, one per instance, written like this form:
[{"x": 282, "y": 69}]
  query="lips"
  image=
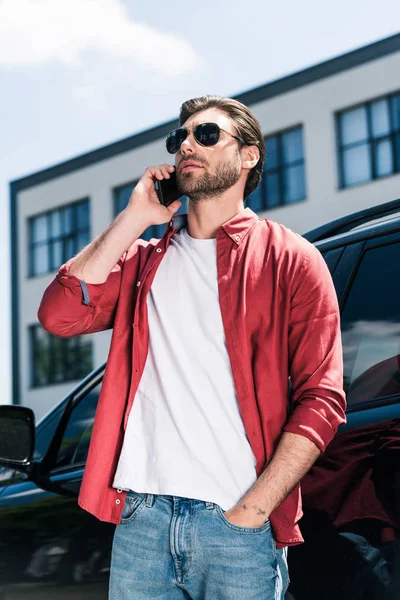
[{"x": 189, "y": 165}]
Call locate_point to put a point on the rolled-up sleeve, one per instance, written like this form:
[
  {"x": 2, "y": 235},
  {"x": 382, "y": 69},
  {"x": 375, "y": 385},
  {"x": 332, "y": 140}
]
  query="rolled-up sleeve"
[
  {"x": 315, "y": 353},
  {"x": 70, "y": 306}
]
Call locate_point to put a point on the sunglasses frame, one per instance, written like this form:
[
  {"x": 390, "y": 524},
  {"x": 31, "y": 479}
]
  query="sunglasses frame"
[{"x": 187, "y": 130}]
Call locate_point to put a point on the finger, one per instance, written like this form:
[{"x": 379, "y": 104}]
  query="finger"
[
  {"x": 161, "y": 172},
  {"x": 155, "y": 172},
  {"x": 150, "y": 172},
  {"x": 165, "y": 172},
  {"x": 174, "y": 206},
  {"x": 158, "y": 174}
]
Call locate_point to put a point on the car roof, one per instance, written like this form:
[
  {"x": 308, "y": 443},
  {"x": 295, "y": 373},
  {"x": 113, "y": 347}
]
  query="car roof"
[{"x": 375, "y": 220}]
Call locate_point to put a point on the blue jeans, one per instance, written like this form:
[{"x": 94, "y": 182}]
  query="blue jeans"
[{"x": 175, "y": 548}]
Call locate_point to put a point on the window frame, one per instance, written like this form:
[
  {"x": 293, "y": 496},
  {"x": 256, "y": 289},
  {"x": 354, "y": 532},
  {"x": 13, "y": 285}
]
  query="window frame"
[
  {"x": 371, "y": 141},
  {"x": 50, "y": 239},
  {"x": 332, "y": 258}
]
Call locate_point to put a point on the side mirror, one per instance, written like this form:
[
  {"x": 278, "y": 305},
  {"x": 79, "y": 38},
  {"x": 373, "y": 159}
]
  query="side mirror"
[{"x": 17, "y": 436}]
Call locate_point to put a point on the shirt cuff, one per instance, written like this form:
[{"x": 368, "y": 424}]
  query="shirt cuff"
[
  {"x": 91, "y": 292},
  {"x": 317, "y": 429}
]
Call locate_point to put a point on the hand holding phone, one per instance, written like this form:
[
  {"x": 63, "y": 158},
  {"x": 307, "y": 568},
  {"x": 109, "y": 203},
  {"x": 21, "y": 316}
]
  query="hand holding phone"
[
  {"x": 167, "y": 190},
  {"x": 144, "y": 202}
]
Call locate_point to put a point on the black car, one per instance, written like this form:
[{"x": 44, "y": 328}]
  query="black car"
[{"x": 50, "y": 548}]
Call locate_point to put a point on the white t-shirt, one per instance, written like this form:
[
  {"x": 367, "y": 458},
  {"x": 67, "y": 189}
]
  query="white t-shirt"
[{"x": 185, "y": 435}]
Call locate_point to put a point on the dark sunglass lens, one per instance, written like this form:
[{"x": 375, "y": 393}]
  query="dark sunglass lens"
[
  {"x": 207, "y": 134},
  {"x": 175, "y": 139}
]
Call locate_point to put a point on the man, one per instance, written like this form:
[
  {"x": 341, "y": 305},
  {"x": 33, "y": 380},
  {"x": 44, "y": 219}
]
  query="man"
[{"x": 198, "y": 446}]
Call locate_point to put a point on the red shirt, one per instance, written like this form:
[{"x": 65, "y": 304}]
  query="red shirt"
[{"x": 281, "y": 319}]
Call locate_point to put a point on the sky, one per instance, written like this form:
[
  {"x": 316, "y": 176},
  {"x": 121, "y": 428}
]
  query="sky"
[{"x": 79, "y": 74}]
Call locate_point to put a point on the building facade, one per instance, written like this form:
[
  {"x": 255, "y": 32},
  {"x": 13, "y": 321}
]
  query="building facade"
[{"x": 333, "y": 147}]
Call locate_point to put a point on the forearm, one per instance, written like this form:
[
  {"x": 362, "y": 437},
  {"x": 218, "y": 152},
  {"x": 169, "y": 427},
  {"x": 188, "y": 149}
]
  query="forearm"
[
  {"x": 95, "y": 262},
  {"x": 294, "y": 456}
]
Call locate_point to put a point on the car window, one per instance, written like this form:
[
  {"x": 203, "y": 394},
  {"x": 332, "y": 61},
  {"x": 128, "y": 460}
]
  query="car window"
[
  {"x": 45, "y": 434},
  {"x": 370, "y": 323},
  {"x": 75, "y": 441}
]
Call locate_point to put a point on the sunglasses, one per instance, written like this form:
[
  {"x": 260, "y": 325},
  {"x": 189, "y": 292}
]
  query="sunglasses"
[{"x": 205, "y": 134}]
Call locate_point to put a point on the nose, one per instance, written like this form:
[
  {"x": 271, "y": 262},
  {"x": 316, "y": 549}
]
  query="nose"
[{"x": 188, "y": 144}]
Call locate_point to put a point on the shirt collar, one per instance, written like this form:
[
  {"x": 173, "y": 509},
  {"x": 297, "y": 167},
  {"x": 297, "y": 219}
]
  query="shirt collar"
[{"x": 236, "y": 228}]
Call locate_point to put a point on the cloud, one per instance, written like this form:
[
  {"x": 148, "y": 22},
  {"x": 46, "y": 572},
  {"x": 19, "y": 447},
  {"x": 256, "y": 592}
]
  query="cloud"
[{"x": 34, "y": 32}]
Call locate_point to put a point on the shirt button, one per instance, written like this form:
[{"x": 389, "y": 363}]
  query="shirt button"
[
  {"x": 119, "y": 490},
  {"x": 237, "y": 238},
  {"x": 118, "y": 501},
  {"x": 138, "y": 283},
  {"x": 158, "y": 250}
]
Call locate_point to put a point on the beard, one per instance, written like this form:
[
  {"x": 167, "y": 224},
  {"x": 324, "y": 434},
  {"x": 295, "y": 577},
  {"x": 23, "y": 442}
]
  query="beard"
[{"x": 209, "y": 185}]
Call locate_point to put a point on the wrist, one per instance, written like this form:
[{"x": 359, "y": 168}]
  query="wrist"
[
  {"x": 253, "y": 508},
  {"x": 139, "y": 219}
]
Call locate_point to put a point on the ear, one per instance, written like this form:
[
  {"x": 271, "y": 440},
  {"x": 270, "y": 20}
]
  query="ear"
[{"x": 250, "y": 157}]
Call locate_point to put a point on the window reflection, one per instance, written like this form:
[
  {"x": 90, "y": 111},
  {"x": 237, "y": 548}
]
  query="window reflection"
[
  {"x": 357, "y": 166},
  {"x": 384, "y": 158},
  {"x": 380, "y": 124},
  {"x": 353, "y": 126},
  {"x": 372, "y": 358},
  {"x": 371, "y": 327}
]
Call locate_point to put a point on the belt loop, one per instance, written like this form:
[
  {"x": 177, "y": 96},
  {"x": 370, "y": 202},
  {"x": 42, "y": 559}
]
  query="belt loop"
[
  {"x": 149, "y": 500},
  {"x": 209, "y": 504}
]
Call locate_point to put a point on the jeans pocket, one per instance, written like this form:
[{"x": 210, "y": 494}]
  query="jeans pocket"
[
  {"x": 264, "y": 527},
  {"x": 133, "y": 501}
]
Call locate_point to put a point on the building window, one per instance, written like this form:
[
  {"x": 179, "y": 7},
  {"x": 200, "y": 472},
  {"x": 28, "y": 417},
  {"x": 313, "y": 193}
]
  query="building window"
[
  {"x": 283, "y": 181},
  {"x": 56, "y": 236},
  {"x": 57, "y": 360},
  {"x": 122, "y": 195},
  {"x": 369, "y": 141},
  {"x": 121, "y": 198}
]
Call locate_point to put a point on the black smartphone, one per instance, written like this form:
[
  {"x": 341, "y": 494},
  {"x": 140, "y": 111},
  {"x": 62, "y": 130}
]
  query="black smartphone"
[{"x": 167, "y": 190}]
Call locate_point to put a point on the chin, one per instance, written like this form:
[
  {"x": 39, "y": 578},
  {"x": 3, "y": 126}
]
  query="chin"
[{"x": 187, "y": 183}]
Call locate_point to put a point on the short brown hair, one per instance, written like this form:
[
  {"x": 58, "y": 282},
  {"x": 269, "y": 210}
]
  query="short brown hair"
[{"x": 248, "y": 128}]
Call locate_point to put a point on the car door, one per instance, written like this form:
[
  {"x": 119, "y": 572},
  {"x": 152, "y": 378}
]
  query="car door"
[
  {"x": 351, "y": 496},
  {"x": 53, "y": 548}
]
